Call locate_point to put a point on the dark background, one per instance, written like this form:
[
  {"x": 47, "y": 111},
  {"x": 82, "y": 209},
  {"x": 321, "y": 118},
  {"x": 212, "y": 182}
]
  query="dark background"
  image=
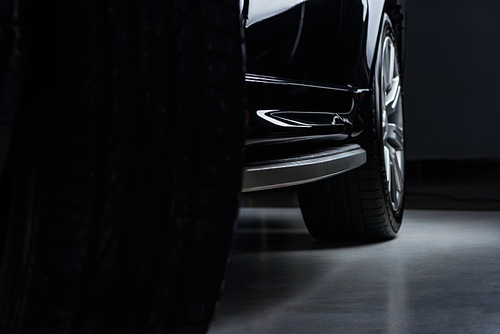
[
  {"x": 452, "y": 107},
  {"x": 452, "y": 85}
]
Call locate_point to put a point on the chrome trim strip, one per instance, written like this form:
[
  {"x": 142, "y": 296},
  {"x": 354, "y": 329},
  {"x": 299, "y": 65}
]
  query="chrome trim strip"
[
  {"x": 263, "y": 114},
  {"x": 280, "y": 81},
  {"x": 279, "y": 118},
  {"x": 310, "y": 168}
]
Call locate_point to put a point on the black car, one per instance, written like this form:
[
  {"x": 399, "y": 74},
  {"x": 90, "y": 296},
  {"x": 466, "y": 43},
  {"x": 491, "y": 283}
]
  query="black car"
[
  {"x": 324, "y": 81},
  {"x": 129, "y": 128}
]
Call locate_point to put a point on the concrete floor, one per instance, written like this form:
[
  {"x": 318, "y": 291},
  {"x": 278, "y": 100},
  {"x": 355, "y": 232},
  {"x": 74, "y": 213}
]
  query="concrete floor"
[{"x": 440, "y": 275}]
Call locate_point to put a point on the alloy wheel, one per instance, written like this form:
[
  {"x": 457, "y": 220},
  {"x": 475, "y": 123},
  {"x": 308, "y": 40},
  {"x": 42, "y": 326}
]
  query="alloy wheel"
[{"x": 392, "y": 123}]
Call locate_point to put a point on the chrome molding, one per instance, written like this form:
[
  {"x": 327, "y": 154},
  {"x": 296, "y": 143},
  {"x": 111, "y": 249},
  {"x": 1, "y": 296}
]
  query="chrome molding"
[
  {"x": 304, "y": 169},
  {"x": 302, "y": 119},
  {"x": 268, "y": 116}
]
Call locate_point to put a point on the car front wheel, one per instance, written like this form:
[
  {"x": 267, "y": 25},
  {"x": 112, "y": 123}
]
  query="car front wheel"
[{"x": 367, "y": 203}]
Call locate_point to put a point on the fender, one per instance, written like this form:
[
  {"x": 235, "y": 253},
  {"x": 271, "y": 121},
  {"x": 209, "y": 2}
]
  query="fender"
[
  {"x": 322, "y": 41},
  {"x": 396, "y": 9},
  {"x": 298, "y": 42},
  {"x": 375, "y": 14},
  {"x": 310, "y": 64}
]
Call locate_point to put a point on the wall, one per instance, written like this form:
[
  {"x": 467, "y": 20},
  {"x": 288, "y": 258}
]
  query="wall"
[{"x": 452, "y": 83}]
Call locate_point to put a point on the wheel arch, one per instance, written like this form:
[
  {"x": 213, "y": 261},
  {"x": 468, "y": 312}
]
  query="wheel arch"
[
  {"x": 396, "y": 10},
  {"x": 363, "y": 45}
]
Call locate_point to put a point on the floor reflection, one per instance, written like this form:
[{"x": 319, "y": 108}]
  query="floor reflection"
[
  {"x": 441, "y": 275},
  {"x": 277, "y": 229}
]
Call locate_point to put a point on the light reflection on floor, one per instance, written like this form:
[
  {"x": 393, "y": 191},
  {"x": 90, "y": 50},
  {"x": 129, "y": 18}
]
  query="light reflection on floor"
[{"x": 441, "y": 275}]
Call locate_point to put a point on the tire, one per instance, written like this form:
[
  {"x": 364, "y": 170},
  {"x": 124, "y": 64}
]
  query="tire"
[
  {"x": 366, "y": 204},
  {"x": 126, "y": 167}
]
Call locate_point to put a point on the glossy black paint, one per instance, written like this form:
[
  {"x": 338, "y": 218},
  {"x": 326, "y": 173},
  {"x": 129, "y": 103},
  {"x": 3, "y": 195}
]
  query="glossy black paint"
[
  {"x": 286, "y": 45},
  {"x": 315, "y": 45}
]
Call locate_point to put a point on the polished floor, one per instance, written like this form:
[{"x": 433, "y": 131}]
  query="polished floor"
[{"x": 440, "y": 275}]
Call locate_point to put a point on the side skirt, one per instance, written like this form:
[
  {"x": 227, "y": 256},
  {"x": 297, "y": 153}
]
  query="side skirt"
[{"x": 302, "y": 169}]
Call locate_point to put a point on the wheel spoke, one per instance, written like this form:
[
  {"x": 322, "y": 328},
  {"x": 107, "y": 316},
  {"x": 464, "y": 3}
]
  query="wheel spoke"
[
  {"x": 392, "y": 96},
  {"x": 395, "y": 136},
  {"x": 393, "y": 153},
  {"x": 388, "y": 64},
  {"x": 397, "y": 173},
  {"x": 391, "y": 59},
  {"x": 388, "y": 169}
]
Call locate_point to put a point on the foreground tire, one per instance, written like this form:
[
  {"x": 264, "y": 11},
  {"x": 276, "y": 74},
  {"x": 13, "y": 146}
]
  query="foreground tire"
[
  {"x": 366, "y": 204},
  {"x": 125, "y": 167}
]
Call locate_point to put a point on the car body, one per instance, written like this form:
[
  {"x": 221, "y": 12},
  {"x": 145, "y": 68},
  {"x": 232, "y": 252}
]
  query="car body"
[
  {"x": 311, "y": 57},
  {"x": 310, "y": 70},
  {"x": 324, "y": 95}
]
